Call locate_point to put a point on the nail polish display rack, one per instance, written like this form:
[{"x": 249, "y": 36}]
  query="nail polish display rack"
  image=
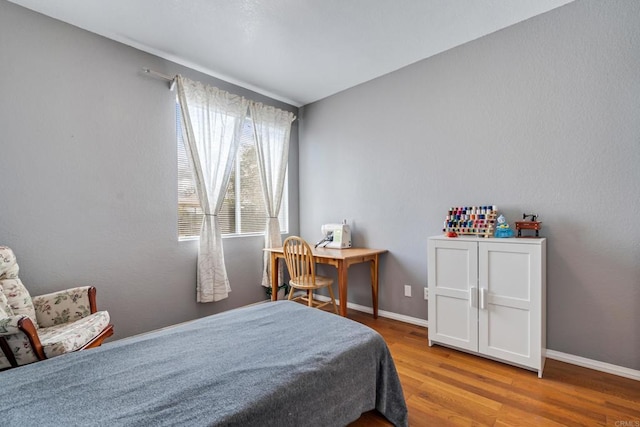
[{"x": 471, "y": 220}]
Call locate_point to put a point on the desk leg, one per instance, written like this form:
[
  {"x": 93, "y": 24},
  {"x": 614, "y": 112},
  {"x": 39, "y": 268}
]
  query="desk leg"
[
  {"x": 342, "y": 287},
  {"x": 274, "y": 277},
  {"x": 374, "y": 285}
]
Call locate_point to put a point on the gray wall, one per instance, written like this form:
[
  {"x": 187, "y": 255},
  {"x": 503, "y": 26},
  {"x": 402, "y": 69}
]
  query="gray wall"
[
  {"x": 88, "y": 187},
  {"x": 540, "y": 117}
]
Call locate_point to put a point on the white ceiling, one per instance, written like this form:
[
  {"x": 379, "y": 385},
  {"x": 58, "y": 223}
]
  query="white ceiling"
[{"x": 297, "y": 51}]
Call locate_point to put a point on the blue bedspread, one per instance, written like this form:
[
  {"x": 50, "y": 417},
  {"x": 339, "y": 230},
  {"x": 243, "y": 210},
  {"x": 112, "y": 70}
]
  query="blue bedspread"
[{"x": 273, "y": 364}]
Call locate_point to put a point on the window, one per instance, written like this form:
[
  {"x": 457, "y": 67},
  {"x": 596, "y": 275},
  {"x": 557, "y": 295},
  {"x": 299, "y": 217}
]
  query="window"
[{"x": 243, "y": 210}]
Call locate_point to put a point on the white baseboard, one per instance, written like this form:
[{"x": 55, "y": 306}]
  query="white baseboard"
[
  {"x": 389, "y": 315},
  {"x": 594, "y": 364},
  {"x": 381, "y": 313},
  {"x": 551, "y": 354}
]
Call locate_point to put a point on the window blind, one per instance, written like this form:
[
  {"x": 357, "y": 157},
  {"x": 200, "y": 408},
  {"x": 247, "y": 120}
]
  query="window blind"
[{"x": 243, "y": 210}]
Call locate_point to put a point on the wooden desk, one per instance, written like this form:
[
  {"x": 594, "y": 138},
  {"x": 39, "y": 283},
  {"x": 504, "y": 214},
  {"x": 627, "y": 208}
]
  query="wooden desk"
[{"x": 340, "y": 259}]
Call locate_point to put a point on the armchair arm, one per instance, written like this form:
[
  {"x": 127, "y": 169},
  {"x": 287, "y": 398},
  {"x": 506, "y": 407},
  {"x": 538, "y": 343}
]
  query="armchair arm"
[
  {"x": 65, "y": 306},
  {"x": 29, "y": 329},
  {"x": 19, "y": 325},
  {"x": 9, "y": 325}
]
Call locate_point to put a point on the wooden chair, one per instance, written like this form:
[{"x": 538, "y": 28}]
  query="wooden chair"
[{"x": 302, "y": 273}]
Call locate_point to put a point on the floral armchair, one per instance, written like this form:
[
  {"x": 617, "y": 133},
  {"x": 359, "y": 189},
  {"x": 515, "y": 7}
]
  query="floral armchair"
[{"x": 47, "y": 325}]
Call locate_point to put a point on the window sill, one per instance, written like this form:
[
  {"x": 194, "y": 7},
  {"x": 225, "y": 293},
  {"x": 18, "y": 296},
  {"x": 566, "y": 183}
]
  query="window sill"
[{"x": 228, "y": 236}]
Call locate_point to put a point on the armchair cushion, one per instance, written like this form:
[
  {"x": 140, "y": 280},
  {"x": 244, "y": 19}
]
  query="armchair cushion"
[
  {"x": 55, "y": 340},
  {"x": 22, "y": 351},
  {"x": 9, "y": 325},
  {"x": 64, "y": 338},
  {"x": 11, "y": 286},
  {"x": 62, "y": 307},
  {"x": 5, "y": 308}
]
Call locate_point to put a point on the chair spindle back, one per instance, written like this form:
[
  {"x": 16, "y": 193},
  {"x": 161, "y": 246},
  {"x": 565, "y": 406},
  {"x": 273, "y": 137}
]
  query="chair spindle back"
[{"x": 299, "y": 259}]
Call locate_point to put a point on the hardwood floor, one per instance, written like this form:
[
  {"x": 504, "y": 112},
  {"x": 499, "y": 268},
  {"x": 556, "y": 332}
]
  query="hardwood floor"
[{"x": 446, "y": 387}]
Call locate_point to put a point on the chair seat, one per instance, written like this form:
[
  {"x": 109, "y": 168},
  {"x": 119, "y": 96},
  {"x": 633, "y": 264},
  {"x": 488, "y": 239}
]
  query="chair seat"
[
  {"x": 302, "y": 272},
  {"x": 304, "y": 282},
  {"x": 60, "y": 339}
]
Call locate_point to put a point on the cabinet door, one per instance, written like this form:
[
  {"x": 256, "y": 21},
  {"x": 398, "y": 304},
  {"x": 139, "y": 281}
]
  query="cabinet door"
[
  {"x": 509, "y": 325},
  {"x": 453, "y": 278}
]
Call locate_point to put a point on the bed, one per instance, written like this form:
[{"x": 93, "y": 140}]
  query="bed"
[{"x": 272, "y": 364}]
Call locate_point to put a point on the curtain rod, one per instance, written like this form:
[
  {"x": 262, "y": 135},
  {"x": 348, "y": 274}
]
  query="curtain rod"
[{"x": 170, "y": 79}]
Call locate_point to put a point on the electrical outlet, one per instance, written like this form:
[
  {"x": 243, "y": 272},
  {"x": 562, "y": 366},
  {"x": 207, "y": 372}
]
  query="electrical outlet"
[
  {"x": 407, "y": 290},
  {"x": 426, "y": 293}
]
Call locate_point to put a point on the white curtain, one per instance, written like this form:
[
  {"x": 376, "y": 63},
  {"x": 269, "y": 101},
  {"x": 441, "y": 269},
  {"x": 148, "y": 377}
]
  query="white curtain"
[
  {"x": 211, "y": 122},
  {"x": 272, "y": 128}
]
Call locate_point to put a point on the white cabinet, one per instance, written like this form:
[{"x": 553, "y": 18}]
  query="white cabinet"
[{"x": 488, "y": 296}]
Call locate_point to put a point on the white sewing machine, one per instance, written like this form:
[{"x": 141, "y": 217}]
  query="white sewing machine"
[{"x": 336, "y": 236}]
